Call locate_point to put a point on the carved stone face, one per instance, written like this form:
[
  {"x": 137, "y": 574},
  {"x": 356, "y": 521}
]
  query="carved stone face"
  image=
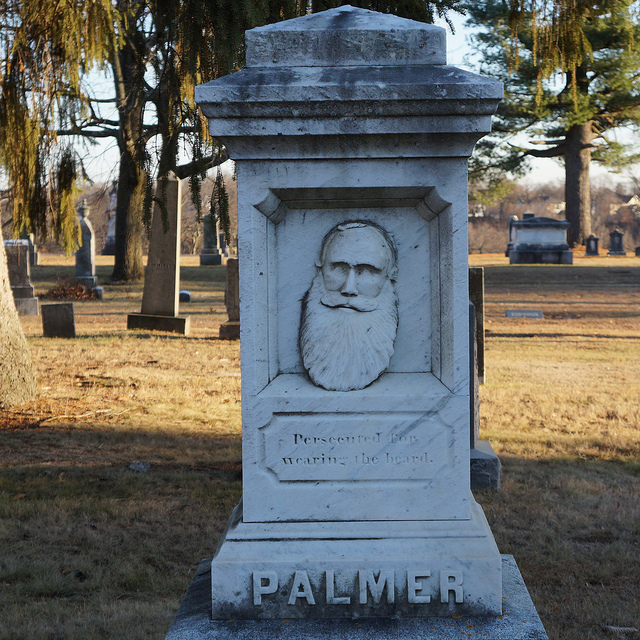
[{"x": 349, "y": 315}]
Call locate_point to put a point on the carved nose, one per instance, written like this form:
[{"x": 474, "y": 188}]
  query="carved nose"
[{"x": 349, "y": 287}]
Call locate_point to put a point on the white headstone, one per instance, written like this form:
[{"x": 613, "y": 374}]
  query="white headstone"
[{"x": 351, "y": 138}]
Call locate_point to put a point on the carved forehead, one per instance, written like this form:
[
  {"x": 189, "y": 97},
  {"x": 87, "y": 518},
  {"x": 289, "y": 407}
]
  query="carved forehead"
[{"x": 361, "y": 238}]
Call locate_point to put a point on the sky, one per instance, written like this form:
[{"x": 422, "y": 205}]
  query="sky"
[{"x": 103, "y": 162}]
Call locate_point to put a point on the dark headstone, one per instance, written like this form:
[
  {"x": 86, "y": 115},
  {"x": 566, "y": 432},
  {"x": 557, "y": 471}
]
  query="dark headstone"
[
  {"x": 638, "y": 251},
  {"x": 230, "y": 330},
  {"x": 484, "y": 464},
  {"x": 110, "y": 241},
  {"x": 476, "y": 295},
  {"x": 616, "y": 243},
  {"x": 210, "y": 254},
  {"x": 185, "y": 296},
  {"x": 591, "y": 244},
  {"x": 58, "y": 320},
  {"x": 20, "y": 277}
]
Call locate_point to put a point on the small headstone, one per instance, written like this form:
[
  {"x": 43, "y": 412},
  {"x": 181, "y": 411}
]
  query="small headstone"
[
  {"x": 20, "y": 277},
  {"x": 160, "y": 297},
  {"x": 184, "y": 296},
  {"x": 638, "y": 251},
  {"x": 616, "y": 243},
  {"x": 86, "y": 254},
  {"x": 230, "y": 330},
  {"x": 58, "y": 320},
  {"x": 524, "y": 313},
  {"x": 110, "y": 241},
  {"x": 139, "y": 466},
  {"x": 99, "y": 291},
  {"x": 591, "y": 245},
  {"x": 210, "y": 254}
]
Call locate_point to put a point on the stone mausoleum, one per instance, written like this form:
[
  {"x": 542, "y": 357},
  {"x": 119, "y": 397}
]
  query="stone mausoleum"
[{"x": 351, "y": 137}]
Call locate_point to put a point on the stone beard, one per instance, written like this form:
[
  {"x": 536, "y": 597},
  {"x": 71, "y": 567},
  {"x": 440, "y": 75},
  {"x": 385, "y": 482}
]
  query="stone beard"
[{"x": 350, "y": 313}]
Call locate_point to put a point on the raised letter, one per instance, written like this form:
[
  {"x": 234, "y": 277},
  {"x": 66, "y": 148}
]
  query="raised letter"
[
  {"x": 376, "y": 587},
  {"x": 331, "y": 581},
  {"x": 260, "y": 589},
  {"x": 451, "y": 581},
  {"x": 301, "y": 588},
  {"x": 413, "y": 586}
]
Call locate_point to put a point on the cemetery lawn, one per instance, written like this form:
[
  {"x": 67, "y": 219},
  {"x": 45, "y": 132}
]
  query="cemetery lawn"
[{"x": 90, "y": 547}]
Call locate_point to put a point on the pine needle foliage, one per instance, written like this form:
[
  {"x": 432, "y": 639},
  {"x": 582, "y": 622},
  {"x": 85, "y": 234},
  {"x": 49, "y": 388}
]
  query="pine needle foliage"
[{"x": 571, "y": 71}]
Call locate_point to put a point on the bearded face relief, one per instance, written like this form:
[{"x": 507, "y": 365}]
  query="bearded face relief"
[{"x": 350, "y": 313}]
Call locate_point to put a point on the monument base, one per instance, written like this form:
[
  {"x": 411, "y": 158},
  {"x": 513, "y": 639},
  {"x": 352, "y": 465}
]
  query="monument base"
[
  {"x": 616, "y": 253},
  {"x": 540, "y": 256},
  {"x": 210, "y": 259},
  {"x": 88, "y": 281},
  {"x": 519, "y": 619},
  {"x": 485, "y": 466},
  {"x": 356, "y": 569},
  {"x": 229, "y": 330},
  {"x": 173, "y": 324},
  {"x": 26, "y": 306}
]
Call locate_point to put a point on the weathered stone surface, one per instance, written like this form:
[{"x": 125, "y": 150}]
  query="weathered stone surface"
[
  {"x": 58, "y": 320},
  {"x": 485, "y": 466},
  {"x": 476, "y": 295},
  {"x": 519, "y": 619},
  {"x": 346, "y": 489}
]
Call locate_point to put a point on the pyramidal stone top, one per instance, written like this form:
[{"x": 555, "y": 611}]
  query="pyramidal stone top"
[{"x": 346, "y": 36}]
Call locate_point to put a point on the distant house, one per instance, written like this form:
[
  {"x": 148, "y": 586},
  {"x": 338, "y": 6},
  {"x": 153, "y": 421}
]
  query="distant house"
[{"x": 628, "y": 209}]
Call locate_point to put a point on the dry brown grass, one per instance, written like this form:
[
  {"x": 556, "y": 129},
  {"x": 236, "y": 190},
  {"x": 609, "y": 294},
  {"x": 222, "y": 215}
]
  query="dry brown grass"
[{"x": 92, "y": 549}]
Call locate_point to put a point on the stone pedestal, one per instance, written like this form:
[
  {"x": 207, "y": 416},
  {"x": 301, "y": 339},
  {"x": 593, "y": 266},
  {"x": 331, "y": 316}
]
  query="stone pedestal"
[
  {"x": 19, "y": 267},
  {"x": 519, "y": 620},
  {"x": 539, "y": 240},
  {"x": 160, "y": 297},
  {"x": 351, "y": 137}
]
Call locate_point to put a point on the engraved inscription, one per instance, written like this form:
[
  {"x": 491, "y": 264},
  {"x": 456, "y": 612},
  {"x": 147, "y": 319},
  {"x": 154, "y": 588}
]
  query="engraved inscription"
[
  {"x": 350, "y": 313},
  {"x": 356, "y": 447},
  {"x": 369, "y": 586}
]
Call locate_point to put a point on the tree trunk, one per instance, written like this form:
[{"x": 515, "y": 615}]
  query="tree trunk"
[
  {"x": 128, "y": 72},
  {"x": 577, "y": 183},
  {"x": 18, "y": 381},
  {"x": 128, "y": 264}
]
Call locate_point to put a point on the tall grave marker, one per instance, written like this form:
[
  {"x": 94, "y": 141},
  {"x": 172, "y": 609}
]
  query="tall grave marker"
[
  {"x": 160, "y": 297},
  {"x": 351, "y": 138},
  {"x": 85, "y": 272}
]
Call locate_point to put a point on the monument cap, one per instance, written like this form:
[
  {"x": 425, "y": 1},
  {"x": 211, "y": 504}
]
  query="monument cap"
[{"x": 342, "y": 37}]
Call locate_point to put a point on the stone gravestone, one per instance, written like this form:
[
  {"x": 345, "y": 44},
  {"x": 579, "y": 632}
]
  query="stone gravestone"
[
  {"x": 638, "y": 252},
  {"x": 110, "y": 241},
  {"x": 485, "y": 464},
  {"x": 591, "y": 243},
  {"x": 476, "y": 295},
  {"x": 540, "y": 240},
  {"x": 160, "y": 297},
  {"x": 86, "y": 254},
  {"x": 616, "y": 243},
  {"x": 230, "y": 330},
  {"x": 58, "y": 320},
  {"x": 512, "y": 235},
  {"x": 20, "y": 277},
  {"x": 210, "y": 254},
  {"x": 351, "y": 138}
]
